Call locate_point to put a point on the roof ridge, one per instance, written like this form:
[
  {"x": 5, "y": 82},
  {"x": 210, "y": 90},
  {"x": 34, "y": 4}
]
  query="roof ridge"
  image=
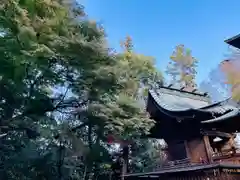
[
  {"x": 183, "y": 94},
  {"x": 181, "y": 89}
]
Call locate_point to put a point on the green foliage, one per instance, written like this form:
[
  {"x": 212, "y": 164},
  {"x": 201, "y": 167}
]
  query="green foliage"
[
  {"x": 49, "y": 45},
  {"x": 136, "y": 71},
  {"x": 146, "y": 155}
]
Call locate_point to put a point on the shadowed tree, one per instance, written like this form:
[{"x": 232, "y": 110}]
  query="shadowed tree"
[{"x": 49, "y": 45}]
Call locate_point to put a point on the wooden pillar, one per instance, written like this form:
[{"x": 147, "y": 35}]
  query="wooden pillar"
[
  {"x": 125, "y": 155},
  {"x": 208, "y": 148},
  {"x": 187, "y": 150}
]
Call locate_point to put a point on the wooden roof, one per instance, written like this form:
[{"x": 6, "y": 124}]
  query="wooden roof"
[
  {"x": 179, "y": 104},
  {"x": 173, "y": 100},
  {"x": 234, "y": 41}
]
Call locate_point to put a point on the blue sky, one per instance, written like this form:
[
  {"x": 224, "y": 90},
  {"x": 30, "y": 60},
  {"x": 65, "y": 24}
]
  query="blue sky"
[{"x": 157, "y": 26}]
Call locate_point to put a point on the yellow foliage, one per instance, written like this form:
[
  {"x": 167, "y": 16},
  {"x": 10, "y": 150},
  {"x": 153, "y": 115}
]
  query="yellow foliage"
[
  {"x": 185, "y": 64},
  {"x": 127, "y": 46},
  {"x": 236, "y": 95},
  {"x": 233, "y": 79}
]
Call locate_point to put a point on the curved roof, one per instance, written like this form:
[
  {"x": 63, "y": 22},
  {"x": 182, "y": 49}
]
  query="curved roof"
[
  {"x": 234, "y": 41},
  {"x": 181, "y": 104},
  {"x": 228, "y": 115},
  {"x": 176, "y": 102}
]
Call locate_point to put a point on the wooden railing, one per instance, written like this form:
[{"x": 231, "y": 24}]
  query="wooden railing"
[
  {"x": 186, "y": 163},
  {"x": 221, "y": 154},
  {"x": 225, "y": 155},
  {"x": 173, "y": 164}
]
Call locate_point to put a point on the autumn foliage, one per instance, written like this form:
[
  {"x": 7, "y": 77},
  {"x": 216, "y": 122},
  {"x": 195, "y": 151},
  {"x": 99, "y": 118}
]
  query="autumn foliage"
[
  {"x": 182, "y": 67},
  {"x": 231, "y": 70},
  {"x": 127, "y": 46}
]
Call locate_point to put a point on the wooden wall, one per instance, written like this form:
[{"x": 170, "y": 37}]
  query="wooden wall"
[{"x": 196, "y": 150}]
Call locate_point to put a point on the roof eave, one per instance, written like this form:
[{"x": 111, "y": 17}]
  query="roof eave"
[
  {"x": 234, "y": 41},
  {"x": 226, "y": 116}
]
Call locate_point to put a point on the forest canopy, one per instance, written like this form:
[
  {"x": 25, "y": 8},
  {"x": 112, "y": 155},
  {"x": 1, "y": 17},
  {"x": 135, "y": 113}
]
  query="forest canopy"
[{"x": 63, "y": 91}]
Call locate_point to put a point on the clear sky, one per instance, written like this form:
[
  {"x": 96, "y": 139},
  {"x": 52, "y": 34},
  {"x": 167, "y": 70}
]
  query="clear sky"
[{"x": 157, "y": 26}]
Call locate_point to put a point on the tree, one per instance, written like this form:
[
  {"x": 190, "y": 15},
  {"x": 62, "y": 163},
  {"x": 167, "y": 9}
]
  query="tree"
[
  {"x": 182, "y": 67},
  {"x": 40, "y": 50},
  {"x": 146, "y": 155},
  {"x": 137, "y": 74},
  {"x": 51, "y": 45},
  {"x": 138, "y": 70},
  {"x": 223, "y": 81},
  {"x": 215, "y": 85},
  {"x": 231, "y": 68}
]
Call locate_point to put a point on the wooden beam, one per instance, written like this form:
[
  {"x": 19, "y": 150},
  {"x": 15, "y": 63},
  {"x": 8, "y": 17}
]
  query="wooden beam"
[
  {"x": 217, "y": 133},
  {"x": 208, "y": 148}
]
